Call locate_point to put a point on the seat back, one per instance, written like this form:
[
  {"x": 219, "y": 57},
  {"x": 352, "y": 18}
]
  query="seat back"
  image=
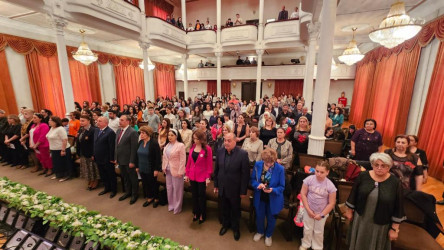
[
  {"x": 414, "y": 214},
  {"x": 309, "y": 160},
  {"x": 334, "y": 147},
  {"x": 344, "y": 189}
]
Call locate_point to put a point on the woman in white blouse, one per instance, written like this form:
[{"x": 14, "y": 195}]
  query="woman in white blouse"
[
  {"x": 60, "y": 150},
  {"x": 186, "y": 134},
  {"x": 254, "y": 146}
]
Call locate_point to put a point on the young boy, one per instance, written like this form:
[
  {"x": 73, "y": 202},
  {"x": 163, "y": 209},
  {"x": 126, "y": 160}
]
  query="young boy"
[{"x": 318, "y": 196}]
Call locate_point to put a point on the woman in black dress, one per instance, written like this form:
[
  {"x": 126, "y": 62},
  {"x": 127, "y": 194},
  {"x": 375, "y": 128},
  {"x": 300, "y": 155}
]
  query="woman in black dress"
[
  {"x": 366, "y": 141},
  {"x": 421, "y": 154},
  {"x": 242, "y": 130}
]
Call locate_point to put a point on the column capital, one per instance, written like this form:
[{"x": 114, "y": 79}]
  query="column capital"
[
  {"x": 144, "y": 45},
  {"x": 218, "y": 54},
  {"x": 57, "y": 23},
  {"x": 313, "y": 30},
  {"x": 185, "y": 56},
  {"x": 260, "y": 52}
]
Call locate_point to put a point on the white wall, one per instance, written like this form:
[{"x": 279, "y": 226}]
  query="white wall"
[
  {"x": 269, "y": 91},
  {"x": 107, "y": 82},
  {"x": 336, "y": 88},
  {"x": 19, "y": 78}
]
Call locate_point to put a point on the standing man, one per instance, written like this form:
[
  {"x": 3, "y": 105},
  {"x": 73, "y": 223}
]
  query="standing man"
[
  {"x": 113, "y": 120},
  {"x": 283, "y": 15},
  {"x": 104, "y": 146},
  {"x": 231, "y": 176},
  {"x": 153, "y": 119},
  {"x": 125, "y": 157}
]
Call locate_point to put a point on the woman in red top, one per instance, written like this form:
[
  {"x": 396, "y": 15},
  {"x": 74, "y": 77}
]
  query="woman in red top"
[
  {"x": 198, "y": 172},
  {"x": 342, "y": 100}
]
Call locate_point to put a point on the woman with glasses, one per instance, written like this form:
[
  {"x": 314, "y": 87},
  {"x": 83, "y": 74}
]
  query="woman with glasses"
[{"x": 375, "y": 206}]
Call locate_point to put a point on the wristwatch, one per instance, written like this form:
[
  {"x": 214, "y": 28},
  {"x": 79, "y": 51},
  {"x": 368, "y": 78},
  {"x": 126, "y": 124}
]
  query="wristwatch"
[
  {"x": 396, "y": 230},
  {"x": 322, "y": 216}
]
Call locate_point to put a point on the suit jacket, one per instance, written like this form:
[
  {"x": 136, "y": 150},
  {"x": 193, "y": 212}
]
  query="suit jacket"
[
  {"x": 154, "y": 156},
  {"x": 203, "y": 167},
  {"x": 232, "y": 180},
  {"x": 104, "y": 145},
  {"x": 176, "y": 159},
  {"x": 277, "y": 183},
  {"x": 283, "y": 15},
  {"x": 85, "y": 143},
  {"x": 126, "y": 149}
]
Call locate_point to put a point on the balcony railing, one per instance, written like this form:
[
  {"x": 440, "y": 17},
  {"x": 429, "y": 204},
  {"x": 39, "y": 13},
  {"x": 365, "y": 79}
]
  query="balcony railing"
[
  {"x": 160, "y": 31},
  {"x": 282, "y": 31},
  {"x": 239, "y": 35},
  {"x": 201, "y": 39}
]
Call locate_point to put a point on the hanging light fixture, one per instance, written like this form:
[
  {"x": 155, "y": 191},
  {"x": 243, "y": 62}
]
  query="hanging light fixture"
[
  {"x": 396, "y": 27},
  {"x": 83, "y": 53},
  {"x": 151, "y": 65},
  {"x": 351, "y": 54}
]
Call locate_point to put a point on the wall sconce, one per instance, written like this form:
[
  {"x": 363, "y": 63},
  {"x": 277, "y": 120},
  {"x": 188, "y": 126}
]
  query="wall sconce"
[
  {"x": 269, "y": 84},
  {"x": 234, "y": 84}
]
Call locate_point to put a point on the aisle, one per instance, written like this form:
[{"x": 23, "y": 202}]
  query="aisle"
[{"x": 157, "y": 221}]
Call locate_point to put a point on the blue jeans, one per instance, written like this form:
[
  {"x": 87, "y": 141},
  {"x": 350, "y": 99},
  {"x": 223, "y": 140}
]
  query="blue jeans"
[{"x": 263, "y": 211}]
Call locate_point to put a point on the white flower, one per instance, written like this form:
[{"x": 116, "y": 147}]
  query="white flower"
[
  {"x": 186, "y": 248},
  {"x": 38, "y": 207},
  {"x": 167, "y": 246},
  {"x": 77, "y": 223},
  {"x": 136, "y": 233},
  {"x": 97, "y": 225}
]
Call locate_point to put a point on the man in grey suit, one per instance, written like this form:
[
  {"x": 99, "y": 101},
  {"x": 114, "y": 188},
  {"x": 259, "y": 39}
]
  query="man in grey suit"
[{"x": 125, "y": 156}]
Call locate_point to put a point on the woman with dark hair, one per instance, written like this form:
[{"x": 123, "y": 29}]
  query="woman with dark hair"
[
  {"x": 187, "y": 134},
  {"x": 12, "y": 141},
  {"x": 138, "y": 114},
  {"x": 181, "y": 115},
  {"x": 39, "y": 143},
  {"x": 207, "y": 112},
  {"x": 204, "y": 126},
  {"x": 337, "y": 118},
  {"x": 148, "y": 165},
  {"x": 241, "y": 129},
  {"x": 268, "y": 131},
  {"x": 125, "y": 110},
  {"x": 216, "y": 129},
  {"x": 60, "y": 149},
  {"x": 213, "y": 118},
  {"x": 366, "y": 141},
  {"x": 406, "y": 166},
  {"x": 24, "y": 140},
  {"x": 85, "y": 149},
  {"x": 95, "y": 116},
  {"x": 77, "y": 106},
  {"x": 85, "y": 105},
  {"x": 351, "y": 132},
  {"x": 46, "y": 114},
  {"x": 197, "y": 116},
  {"x": 329, "y": 133},
  {"x": 198, "y": 171},
  {"x": 421, "y": 154},
  {"x": 173, "y": 165},
  {"x": 164, "y": 129}
]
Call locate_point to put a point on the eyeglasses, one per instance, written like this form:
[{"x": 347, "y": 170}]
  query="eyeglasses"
[{"x": 380, "y": 166}]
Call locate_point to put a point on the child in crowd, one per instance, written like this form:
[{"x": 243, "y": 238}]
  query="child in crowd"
[{"x": 318, "y": 196}]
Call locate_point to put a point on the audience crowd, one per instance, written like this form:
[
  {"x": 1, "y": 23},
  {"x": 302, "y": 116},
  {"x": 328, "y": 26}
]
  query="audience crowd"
[{"x": 253, "y": 144}]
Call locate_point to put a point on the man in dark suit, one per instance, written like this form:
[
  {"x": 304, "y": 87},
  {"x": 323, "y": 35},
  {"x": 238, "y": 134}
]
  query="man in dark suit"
[
  {"x": 125, "y": 156},
  {"x": 304, "y": 113},
  {"x": 283, "y": 15},
  {"x": 231, "y": 176},
  {"x": 104, "y": 145}
]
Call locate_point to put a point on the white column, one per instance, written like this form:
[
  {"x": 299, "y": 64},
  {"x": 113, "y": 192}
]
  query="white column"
[
  {"x": 261, "y": 21},
  {"x": 328, "y": 18},
  {"x": 313, "y": 29},
  {"x": 59, "y": 24},
  {"x": 259, "y": 53},
  {"x": 219, "y": 20},
  {"x": 184, "y": 13},
  {"x": 219, "y": 73},
  {"x": 185, "y": 75},
  {"x": 149, "y": 95},
  {"x": 142, "y": 5}
]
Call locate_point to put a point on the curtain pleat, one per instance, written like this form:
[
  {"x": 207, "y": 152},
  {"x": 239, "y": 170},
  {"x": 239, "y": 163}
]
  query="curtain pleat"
[
  {"x": 129, "y": 83},
  {"x": 7, "y": 96},
  {"x": 164, "y": 80},
  {"x": 85, "y": 81},
  {"x": 294, "y": 87}
]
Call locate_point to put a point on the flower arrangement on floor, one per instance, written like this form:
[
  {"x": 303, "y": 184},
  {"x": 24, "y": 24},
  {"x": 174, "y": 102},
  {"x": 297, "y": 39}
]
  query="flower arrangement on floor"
[{"x": 75, "y": 219}]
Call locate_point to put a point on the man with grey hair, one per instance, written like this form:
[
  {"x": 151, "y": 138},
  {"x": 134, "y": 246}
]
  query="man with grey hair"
[
  {"x": 125, "y": 156},
  {"x": 104, "y": 146},
  {"x": 231, "y": 177},
  {"x": 3, "y": 127}
]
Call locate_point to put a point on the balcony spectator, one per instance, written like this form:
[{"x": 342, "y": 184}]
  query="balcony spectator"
[
  {"x": 173, "y": 21},
  {"x": 283, "y": 15},
  {"x": 198, "y": 25},
  {"x": 208, "y": 26},
  {"x": 179, "y": 23},
  {"x": 190, "y": 27},
  {"x": 239, "y": 61},
  {"x": 247, "y": 61},
  {"x": 168, "y": 19},
  {"x": 215, "y": 27},
  {"x": 295, "y": 14},
  {"x": 229, "y": 23},
  {"x": 254, "y": 62},
  {"x": 239, "y": 20},
  {"x": 200, "y": 65}
]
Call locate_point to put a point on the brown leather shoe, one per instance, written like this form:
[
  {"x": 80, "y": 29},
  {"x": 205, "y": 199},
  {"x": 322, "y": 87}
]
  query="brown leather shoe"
[{"x": 35, "y": 169}]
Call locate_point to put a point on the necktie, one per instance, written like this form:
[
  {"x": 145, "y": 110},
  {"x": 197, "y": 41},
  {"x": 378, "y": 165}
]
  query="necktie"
[
  {"x": 100, "y": 133},
  {"x": 120, "y": 135}
]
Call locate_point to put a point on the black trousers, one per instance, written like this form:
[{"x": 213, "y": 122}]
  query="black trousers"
[
  {"x": 108, "y": 176},
  {"x": 199, "y": 198},
  {"x": 131, "y": 180},
  {"x": 62, "y": 165},
  {"x": 231, "y": 211},
  {"x": 150, "y": 186}
]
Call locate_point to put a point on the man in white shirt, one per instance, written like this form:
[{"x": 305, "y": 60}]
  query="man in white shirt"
[
  {"x": 113, "y": 120},
  {"x": 295, "y": 14},
  {"x": 190, "y": 27},
  {"x": 239, "y": 20},
  {"x": 228, "y": 122},
  {"x": 170, "y": 116}
]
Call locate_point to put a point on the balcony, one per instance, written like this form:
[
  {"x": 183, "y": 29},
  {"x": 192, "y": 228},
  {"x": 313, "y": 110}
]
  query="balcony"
[
  {"x": 280, "y": 33},
  {"x": 239, "y": 35},
  {"x": 165, "y": 35},
  {"x": 201, "y": 39}
]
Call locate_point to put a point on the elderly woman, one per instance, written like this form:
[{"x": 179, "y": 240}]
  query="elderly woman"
[
  {"x": 148, "y": 164},
  {"x": 375, "y": 206},
  {"x": 268, "y": 182},
  {"x": 406, "y": 165},
  {"x": 60, "y": 149},
  {"x": 283, "y": 148},
  {"x": 85, "y": 149},
  {"x": 254, "y": 146},
  {"x": 366, "y": 141}
]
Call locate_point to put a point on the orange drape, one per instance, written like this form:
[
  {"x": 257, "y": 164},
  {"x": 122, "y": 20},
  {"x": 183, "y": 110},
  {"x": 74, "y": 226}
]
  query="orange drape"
[
  {"x": 45, "y": 83},
  {"x": 85, "y": 81},
  {"x": 294, "y": 87},
  {"x": 431, "y": 135},
  {"x": 129, "y": 83},
  {"x": 225, "y": 87},
  {"x": 7, "y": 96},
  {"x": 164, "y": 80}
]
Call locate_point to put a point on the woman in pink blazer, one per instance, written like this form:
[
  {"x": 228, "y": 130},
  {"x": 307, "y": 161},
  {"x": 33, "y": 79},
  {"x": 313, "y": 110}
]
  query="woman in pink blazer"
[
  {"x": 39, "y": 143},
  {"x": 198, "y": 171},
  {"x": 173, "y": 165}
]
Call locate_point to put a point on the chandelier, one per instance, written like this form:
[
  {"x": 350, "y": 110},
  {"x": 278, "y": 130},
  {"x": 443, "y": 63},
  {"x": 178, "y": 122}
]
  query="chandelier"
[
  {"x": 396, "y": 27},
  {"x": 83, "y": 53},
  {"x": 351, "y": 54},
  {"x": 151, "y": 66}
]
